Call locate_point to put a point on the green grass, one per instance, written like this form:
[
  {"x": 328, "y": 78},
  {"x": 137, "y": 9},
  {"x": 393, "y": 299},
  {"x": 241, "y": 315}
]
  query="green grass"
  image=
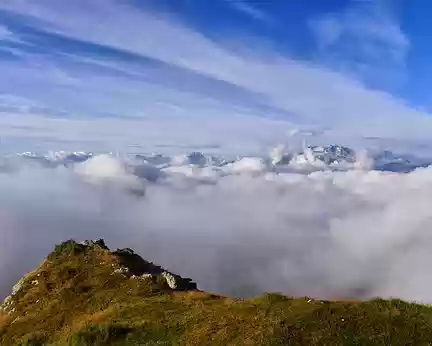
[{"x": 74, "y": 298}]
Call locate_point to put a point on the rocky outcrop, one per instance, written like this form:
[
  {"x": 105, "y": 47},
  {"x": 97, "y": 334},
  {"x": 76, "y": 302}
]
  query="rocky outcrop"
[
  {"x": 95, "y": 243},
  {"x": 124, "y": 262},
  {"x": 134, "y": 265}
]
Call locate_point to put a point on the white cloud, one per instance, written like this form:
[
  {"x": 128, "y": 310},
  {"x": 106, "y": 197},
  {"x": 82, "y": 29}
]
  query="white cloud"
[
  {"x": 6, "y": 34},
  {"x": 355, "y": 234},
  {"x": 251, "y": 11}
]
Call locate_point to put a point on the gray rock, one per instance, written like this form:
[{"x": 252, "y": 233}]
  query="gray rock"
[
  {"x": 171, "y": 280},
  {"x": 17, "y": 287},
  {"x": 176, "y": 282},
  {"x": 95, "y": 243}
]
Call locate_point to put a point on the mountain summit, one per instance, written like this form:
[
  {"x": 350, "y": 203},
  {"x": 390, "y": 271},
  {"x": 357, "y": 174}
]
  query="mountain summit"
[{"x": 85, "y": 294}]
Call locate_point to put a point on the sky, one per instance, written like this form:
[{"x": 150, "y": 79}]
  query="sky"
[{"x": 224, "y": 75}]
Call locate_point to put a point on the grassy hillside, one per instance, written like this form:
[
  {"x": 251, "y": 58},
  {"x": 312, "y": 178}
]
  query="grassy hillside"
[{"x": 88, "y": 295}]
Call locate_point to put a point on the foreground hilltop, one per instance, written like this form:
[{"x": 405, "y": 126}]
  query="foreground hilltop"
[{"x": 85, "y": 294}]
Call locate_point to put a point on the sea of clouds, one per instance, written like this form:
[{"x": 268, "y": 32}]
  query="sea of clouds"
[{"x": 239, "y": 227}]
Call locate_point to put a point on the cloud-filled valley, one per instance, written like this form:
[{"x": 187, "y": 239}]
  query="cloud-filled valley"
[{"x": 242, "y": 226}]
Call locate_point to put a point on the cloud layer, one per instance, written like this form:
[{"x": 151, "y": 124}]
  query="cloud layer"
[{"x": 240, "y": 231}]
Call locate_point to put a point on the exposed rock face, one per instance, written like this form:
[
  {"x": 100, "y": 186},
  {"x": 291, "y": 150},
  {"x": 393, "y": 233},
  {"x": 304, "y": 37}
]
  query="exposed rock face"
[
  {"x": 138, "y": 267},
  {"x": 92, "y": 243},
  {"x": 171, "y": 280},
  {"x": 16, "y": 288}
]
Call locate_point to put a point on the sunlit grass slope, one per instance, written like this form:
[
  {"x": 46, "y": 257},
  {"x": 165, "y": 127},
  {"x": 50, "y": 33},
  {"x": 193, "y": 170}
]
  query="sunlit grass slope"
[{"x": 84, "y": 294}]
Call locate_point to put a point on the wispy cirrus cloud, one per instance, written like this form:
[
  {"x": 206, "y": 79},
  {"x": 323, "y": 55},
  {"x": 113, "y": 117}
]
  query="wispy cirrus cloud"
[
  {"x": 112, "y": 58},
  {"x": 5, "y": 33},
  {"x": 365, "y": 36},
  {"x": 252, "y": 11}
]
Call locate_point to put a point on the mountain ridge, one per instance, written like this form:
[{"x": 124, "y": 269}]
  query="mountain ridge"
[
  {"x": 85, "y": 294},
  {"x": 311, "y": 157}
]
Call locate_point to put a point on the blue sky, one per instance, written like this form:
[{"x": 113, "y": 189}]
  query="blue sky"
[{"x": 236, "y": 75}]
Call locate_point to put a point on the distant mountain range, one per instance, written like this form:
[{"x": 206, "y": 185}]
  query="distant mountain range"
[{"x": 280, "y": 159}]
